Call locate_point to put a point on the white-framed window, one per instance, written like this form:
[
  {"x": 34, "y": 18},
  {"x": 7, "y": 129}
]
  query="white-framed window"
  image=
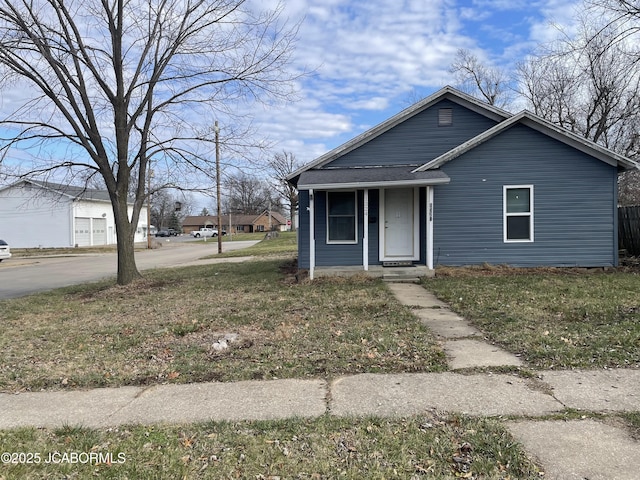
[
  {"x": 518, "y": 213},
  {"x": 342, "y": 224}
]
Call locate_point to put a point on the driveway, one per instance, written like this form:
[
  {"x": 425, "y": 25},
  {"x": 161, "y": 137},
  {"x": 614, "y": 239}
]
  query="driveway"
[{"x": 23, "y": 276}]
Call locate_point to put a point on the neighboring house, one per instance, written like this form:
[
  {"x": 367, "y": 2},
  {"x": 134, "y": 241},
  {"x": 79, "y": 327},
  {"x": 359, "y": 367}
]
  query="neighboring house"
[
  {"x": 239, "y": 223},
  {"x": 454, "y": 181},
  {"x": 48, "y": 215}
]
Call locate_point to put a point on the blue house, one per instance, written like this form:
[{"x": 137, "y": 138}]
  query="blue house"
[{"x": 454, "y": 181}]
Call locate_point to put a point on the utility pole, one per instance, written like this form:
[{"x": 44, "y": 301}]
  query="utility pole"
[
  {"x": 149, "y": 207},
  {"x": 217, "y": 131}
]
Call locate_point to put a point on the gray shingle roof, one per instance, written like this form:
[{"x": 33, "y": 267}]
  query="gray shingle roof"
[
  {"x": 80, "y": 193},
  {"x": 370, "y": 176}
]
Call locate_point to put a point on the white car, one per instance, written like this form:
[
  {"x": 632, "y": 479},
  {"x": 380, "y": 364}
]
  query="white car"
[{"x": 5, "y": 251}]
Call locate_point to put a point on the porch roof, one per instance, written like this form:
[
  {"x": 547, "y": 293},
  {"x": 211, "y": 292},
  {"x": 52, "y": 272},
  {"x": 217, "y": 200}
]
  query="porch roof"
[{"x": 369, "y": 177}]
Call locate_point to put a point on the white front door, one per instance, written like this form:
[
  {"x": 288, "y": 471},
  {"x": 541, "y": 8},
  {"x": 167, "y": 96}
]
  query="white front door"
[{"x": 400, "y": 239}]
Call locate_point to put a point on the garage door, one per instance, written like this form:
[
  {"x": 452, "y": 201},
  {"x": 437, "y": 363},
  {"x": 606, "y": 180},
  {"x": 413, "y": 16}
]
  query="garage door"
[
  {"x": 83, "y": 232},
  {"x": 99, "y": 231}
]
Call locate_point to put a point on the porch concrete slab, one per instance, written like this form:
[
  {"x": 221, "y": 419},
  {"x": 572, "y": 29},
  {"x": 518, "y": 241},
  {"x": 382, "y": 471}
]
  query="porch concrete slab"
[
  {"x": 414, "y": 295},
  {"x": 474, "y": 353},
  {"x": 601, "y": 390},
  {"x": 348, "y": 271},
  {"x": 409, "y": 394},
  {"x": 89, "y": 408},
  {"x": 579, "y": 449}
]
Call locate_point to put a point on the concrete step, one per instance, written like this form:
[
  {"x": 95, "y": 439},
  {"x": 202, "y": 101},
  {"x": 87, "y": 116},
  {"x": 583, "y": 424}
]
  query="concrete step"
[{"x": 409, "y": 274}]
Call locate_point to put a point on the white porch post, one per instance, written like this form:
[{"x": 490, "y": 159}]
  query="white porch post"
[
  {"x": 430, "y": 228},
  {"x": 365, "y": 235},
  {"x": 312, "y": 235}
]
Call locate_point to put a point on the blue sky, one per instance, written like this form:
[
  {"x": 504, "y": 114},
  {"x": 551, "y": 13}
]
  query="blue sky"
[{"x": 372, "y": 58}]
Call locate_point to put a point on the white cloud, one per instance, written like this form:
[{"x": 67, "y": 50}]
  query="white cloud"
[
  {"x": 374, "y": 103},
  {"x": 367, "y": 54}
]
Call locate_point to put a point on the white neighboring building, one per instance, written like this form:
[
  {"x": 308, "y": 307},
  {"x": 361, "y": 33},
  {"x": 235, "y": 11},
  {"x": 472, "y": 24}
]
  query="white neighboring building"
[{"x": 35, "y": 214}]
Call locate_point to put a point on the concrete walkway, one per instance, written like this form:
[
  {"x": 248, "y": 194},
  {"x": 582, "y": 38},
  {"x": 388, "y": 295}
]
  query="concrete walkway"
[
  {"x": 566, "y": 450},
  {"x": 580, "y": 449}
]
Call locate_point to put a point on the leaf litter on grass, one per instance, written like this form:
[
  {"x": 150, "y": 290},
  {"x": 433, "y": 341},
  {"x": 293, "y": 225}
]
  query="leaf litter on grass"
[{"x": 165, "y": 327}]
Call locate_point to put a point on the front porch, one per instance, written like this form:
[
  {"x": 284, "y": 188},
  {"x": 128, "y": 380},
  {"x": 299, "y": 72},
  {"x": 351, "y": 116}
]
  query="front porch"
[{"x": 390, "y": 274}]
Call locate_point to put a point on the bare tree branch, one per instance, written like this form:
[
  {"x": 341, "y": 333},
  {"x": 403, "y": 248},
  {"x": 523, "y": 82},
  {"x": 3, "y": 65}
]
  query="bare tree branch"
[{"x": 129, "y": 82}]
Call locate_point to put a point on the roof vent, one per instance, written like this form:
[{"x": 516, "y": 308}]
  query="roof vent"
[{"x": 445, "y": 117}]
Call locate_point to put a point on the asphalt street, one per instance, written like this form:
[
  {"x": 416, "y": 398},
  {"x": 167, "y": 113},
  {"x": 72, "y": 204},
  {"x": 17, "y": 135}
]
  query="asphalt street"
[{"x": 24, "y": 276}]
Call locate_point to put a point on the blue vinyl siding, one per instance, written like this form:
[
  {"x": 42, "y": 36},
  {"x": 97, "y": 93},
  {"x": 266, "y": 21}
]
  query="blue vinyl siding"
[
  {"x": 337, "y": 254},
  {"x": 574, "y": 204},
  {"x": 303, "y": 229},
  {"x": 418, "y": 139}
]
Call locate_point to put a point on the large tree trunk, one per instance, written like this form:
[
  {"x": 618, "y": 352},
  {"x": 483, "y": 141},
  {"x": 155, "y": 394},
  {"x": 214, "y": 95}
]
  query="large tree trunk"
[
  {"x": 125, "y": 230},
  {"x": 292, "y": 209}
]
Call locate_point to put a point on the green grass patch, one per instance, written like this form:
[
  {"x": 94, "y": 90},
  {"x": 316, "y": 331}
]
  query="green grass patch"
[
  {"x": 172, "y": 325},
  {"x": 553, "y": 318},
  {"x": 284, "y": 244},
  {"x": 429, "y": 446},
  {"x": 36, "y": 252}
]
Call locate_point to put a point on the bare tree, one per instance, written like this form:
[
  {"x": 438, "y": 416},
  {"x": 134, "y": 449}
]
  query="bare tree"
[
  {"x": 590, "y": 85},
  {"x": 282, "y": 165},
  {"x": 476, "y": 78},
  {"x": 250, "y": 195},
  {"x": 164, "y": 209},
  {"x": 123, "y": 83}
]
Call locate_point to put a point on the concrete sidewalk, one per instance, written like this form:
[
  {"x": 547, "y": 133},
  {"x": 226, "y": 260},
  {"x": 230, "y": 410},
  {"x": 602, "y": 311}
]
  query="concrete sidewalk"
[
  {"x": 566, "y": 450},
  {"x": 367, "y": 394},
  {"x": 589, "y": 449}
]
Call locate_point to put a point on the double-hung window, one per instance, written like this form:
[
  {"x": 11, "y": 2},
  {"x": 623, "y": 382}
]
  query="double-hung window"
[
  {"x": 518, "y": 213},
  {"x": 341, "y": 217}
]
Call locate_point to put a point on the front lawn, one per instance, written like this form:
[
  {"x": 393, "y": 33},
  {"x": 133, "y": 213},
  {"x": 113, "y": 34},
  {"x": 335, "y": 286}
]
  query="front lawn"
[
  {"x": 430, "y": 446},
  {"x": 174, "y": 325},
  {"x": 554, "y": 318}
]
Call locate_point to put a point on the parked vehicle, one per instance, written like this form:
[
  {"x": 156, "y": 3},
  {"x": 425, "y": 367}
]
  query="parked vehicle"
[
  {"x": 5, "y": 251},
  {"x": 163, "y": 233},
  {"x": 205, "y": 232}
]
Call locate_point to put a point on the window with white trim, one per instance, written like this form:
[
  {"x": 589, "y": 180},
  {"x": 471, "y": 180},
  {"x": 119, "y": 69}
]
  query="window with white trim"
[
  {"x": 518, "y": 213},
  {"x": 341, "y": 217}
]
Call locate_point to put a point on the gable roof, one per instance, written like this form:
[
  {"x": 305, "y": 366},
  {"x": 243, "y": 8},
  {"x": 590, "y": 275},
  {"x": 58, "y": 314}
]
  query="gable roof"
[
  {"x": 541, "y": 125},
  {"x": 448, "y": 93},
  {"x": 71, "y": 191},
  {"x": 274, "y": 216}
]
